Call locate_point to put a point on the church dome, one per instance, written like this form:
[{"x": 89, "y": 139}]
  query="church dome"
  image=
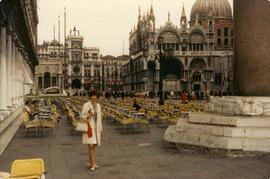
[{"x": 215, "y": 8}]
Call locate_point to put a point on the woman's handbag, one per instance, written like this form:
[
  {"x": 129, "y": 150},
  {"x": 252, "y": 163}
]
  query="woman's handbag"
[
  {"x": 89, "y": 130},
  {"x": 81, "y": 127}
]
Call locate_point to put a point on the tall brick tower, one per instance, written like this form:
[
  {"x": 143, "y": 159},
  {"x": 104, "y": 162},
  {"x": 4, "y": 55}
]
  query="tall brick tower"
[{"x": 252, "y": 47}]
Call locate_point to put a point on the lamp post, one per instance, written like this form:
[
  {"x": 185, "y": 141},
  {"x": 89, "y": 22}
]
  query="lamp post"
[
  {"x": 161, "y": 98},
  {"x": 115, "y": 76}
]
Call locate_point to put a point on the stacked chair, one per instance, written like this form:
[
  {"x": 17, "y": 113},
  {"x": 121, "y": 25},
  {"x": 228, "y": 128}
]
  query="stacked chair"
[
  {"x": 47, "y": 120},
  {"x": 125, "y": 118}
]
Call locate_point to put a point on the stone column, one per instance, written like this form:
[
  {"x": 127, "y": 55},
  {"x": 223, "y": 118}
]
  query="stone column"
[
  {"x": 15, "y": 87},
  {"x": 252, "y": 47},
  {"x": 13, "y": 73},
  {"x": 18, "y": 78},
  {"x": 9, "y": 69},
  {"x": 59, "y": 80},
  {"x": 3, "y": 71},
  {"x": 21, "y": 80}
]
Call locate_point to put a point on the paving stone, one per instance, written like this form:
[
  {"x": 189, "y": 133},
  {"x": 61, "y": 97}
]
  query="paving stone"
[{"x": 123, "y": 156}]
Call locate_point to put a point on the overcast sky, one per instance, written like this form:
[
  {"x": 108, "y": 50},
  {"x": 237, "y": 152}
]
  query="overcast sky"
[{"x": 105, "y": 23}]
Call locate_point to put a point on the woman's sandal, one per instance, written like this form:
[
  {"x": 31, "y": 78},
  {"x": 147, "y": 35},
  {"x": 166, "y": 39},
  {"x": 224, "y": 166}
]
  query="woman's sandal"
[{"x": 92, "y": 168}]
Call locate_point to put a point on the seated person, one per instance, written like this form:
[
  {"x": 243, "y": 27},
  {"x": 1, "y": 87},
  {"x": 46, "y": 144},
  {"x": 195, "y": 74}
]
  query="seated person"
[
  {"x": 136, "y": 105},
  {"x": 27, "y": 108},
  {"x": 36, "y": 110}
]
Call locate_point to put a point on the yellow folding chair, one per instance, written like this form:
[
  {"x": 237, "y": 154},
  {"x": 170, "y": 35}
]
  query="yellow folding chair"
[
  {"x": 27, "y": 177},
  {"x": 28, "y": 168}
]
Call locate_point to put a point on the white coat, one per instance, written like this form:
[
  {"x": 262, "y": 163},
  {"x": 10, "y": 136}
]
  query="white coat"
[{"x": 96, "y": 128}]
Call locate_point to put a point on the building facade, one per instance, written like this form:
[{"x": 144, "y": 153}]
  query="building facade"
[
  {"x": 18, "y": 58},
  {"x": 112, "y": 68},
  {"x": 49, "y": 72},
  {"x": 195, "y": 55},
  {"x": 73, "y": 67}
]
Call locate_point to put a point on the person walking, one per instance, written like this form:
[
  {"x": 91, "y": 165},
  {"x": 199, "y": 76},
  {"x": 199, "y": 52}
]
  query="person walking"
[{"x": 91, "y": 112}]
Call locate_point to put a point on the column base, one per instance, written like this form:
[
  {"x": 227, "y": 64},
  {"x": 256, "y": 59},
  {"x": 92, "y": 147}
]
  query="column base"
[
  {"x": 236, "y": 125},
  {"x": 4, "y": 111}
]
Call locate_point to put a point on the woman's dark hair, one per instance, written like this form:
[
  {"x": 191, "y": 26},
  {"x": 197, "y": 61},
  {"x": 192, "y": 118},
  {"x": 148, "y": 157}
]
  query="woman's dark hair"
[
  {"x": 27, "y": 102},
  {"x": 35, "y": 101},
  {"x": 93, "y": 93}
]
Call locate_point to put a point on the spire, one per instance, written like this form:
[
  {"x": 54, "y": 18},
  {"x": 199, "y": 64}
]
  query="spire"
[
  {"x": 151, "y": 10},
  {"x": 183, "y": 12},
  {"x": 152, "y": 15},
  {"x": 139, "y": 17},
  {"x": 169, "y": 17},
  {"x": 183, "y": 20}
]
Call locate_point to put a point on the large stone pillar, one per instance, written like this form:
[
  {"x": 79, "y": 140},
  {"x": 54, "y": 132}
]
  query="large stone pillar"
[
  {"x": 13, "y": 82},
  {"x": 252, "y": 47},
  {"x": 16, "y": 76},
  {"x": 3, "y": 70},
  {"x": 9, "y": 69},
  {"x": 21, "y": 80},
  {"x": 19, "y": 77}
]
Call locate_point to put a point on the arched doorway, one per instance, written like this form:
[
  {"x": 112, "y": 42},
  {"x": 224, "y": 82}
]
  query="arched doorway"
[
  {"x": 76, "y": 84},
  {"x": 197, "y": 67},
  {"x": 47, "y": 80},
  {"x": 172, "y": 70}
]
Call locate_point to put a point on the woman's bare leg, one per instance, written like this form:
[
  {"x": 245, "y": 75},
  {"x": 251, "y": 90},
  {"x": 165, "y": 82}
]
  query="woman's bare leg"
[
  {"x": 95, "y": 154},
  {"x": 89, "y": 154},
  {"x": 92, "y": 155}
]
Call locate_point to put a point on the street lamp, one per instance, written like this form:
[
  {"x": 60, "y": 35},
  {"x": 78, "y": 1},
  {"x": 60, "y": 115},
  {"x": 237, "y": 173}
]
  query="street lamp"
[
  {"x": 115, "y": 77},
  {"x": 161, "y": 98}
]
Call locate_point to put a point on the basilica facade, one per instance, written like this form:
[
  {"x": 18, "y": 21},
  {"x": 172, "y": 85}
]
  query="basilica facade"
[{"x": 196, "y": 55}]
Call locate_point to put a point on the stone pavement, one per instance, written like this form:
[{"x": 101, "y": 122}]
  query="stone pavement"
[{"x": 128, "y": 156}]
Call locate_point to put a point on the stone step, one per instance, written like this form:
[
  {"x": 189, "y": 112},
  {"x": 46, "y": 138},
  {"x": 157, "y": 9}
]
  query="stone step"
[
  {"x": 210, "y": 141},
  {"x": 221, "y": 120},
  {"x": 248, "y": 132},
  {"x": 8, "y": 128}
]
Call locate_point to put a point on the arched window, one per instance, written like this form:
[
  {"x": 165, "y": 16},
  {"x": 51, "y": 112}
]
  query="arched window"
[
  {"x": 219, "y": 32},
  {"x": 196, "y": 76},
  {"x": 198, "y": 64},
  {"x": 226, "y": 32},
  {"x": 210, "y": 26},
  {"x": 226, "y": 42},
  {"x": 47, "y": 80},
  {"x": 219, "y": 42}
]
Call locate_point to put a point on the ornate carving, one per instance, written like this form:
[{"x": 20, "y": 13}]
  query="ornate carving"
[
  {"x": 252, "y": 108},
  {"x": 236, "y": 106}
]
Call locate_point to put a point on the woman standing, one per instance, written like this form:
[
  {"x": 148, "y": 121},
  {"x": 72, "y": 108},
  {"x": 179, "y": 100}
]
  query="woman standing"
[{"x": 91, "y": 112}]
